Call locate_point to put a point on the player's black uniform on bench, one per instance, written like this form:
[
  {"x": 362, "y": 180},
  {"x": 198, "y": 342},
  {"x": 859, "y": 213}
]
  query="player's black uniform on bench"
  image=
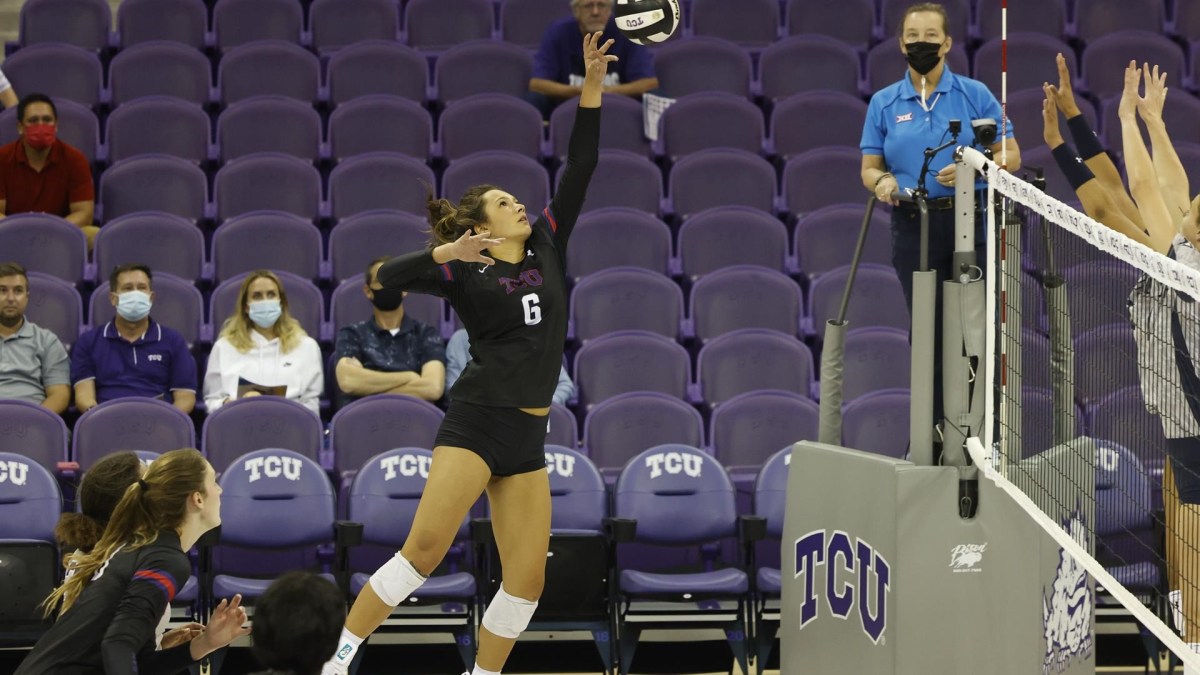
[{"x": 123, "y": 603}]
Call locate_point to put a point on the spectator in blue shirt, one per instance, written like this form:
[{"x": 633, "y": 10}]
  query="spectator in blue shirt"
[
  {"x": 132, "y": 355},
  {"x": 558, "y": 64},
  {"x": 390, "y": 353},
  {"x": 458, "y": 355}
]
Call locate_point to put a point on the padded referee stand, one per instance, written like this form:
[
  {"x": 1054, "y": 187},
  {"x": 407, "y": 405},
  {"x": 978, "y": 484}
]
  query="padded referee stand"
[{"x": 30, "y": 504}]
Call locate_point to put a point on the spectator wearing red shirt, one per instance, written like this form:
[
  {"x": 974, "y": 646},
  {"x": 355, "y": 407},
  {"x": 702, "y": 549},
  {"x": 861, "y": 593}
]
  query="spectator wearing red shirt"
[{"x": 41, "y": 174}]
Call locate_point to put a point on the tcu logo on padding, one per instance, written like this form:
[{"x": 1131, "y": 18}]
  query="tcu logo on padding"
[
  {"x": 674, "y": 463},
  {"x": 14, "y": 472},
  {"x": 560, "y": 463},
  {"x": 273, "y": 466},
  {"x": 407, "y": 465},
  {"x": 814, "y": 550}
]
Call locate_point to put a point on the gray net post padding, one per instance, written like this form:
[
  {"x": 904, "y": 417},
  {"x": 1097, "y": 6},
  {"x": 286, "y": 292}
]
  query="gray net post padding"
[
  {"x": 1062, "y": 360},
  {"x": 920, "y": 421},
  {"x": 964, "y": 328},
  {"x": 833, "y": 360}
]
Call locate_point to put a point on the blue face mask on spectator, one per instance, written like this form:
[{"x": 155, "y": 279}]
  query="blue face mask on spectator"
[
  {"x": 265, "y": 313},
  {"x": 133, "y": 305}
]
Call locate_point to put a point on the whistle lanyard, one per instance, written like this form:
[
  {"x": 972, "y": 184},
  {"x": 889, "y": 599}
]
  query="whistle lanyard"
[{"x": 928, "y": 107}]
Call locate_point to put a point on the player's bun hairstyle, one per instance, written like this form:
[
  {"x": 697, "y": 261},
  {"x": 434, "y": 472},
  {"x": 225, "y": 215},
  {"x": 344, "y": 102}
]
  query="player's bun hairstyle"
[
  {"x": 156, "y": 502},
  {"x": 448, "y": 222},
  {"x": 103, "y": 486}
]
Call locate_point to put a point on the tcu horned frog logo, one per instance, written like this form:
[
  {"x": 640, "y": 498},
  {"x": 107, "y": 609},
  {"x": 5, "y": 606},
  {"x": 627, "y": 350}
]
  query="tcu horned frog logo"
[{"x": 1067, "y": 607}]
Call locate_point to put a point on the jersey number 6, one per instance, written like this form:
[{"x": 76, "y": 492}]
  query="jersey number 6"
[{"x": 533, "y": 313}]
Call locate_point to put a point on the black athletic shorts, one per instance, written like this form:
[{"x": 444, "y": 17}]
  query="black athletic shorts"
[
  {"x": 1184, "y": 456},
  {"x": 510, "y": 440}
]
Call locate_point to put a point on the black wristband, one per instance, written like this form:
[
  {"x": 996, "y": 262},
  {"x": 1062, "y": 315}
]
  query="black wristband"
[
  {"x": 1085, "y": 139},
  {"x": 1072, "y": 166}
]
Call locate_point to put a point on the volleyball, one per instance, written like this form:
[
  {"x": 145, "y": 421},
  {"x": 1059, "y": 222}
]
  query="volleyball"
[{"x": 647, "y": 21}]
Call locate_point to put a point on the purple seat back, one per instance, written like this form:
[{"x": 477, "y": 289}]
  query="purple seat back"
[
  {"x": 374, "y": 424},
  {"x": 520, "y": 175},
  {"x": 377, "y": 67},
  {"x": 238, "y": 22},
  {"x": 734, "y": 235},
  {"x": 749, "y": 23},
  {"x": 79, "y": 22},
  {"x": 169, "y": 243},
  {"x": 380, "y": 180},
  {"x": 160, "y": 68},
  {"x": 1037, "y": 415},
  {"x": 1105, "y": 59},
  {"x": 702, "y": 64},
  {"x": 31, "y": 432},
  {"x": 564, "y": 430},
  {"x": 380, "y": 123},
  {"x": 1024, "y": 16},
  {"x": 44, "y": 243},
  {"x": 56, "y": 306},
  {"x": 269, "y": 124},
  {"x": 385, "y": 494},
  {"x": 818, "y": 178},
  {"x": 337, "y": 23},
  {"x": 1030, "y": 61},
  {"x": 878, "y": 423},
  {"x": 154, "y": 183},
  {"x": 1179, "y": 112},
  {"x": 959, "y": 12},
  {"x": 1105, "y": 361},
  {"x": 30, "y": 501},
  {"x": 622, "y": 128},
  {"x": 626, "y": 298},
  {"x": 792, "y": 132},
  {"x": 1098, "y": 293},
  {"x": 60, "y": 71},
  {"x": 178, "y": 304},
  {"x": 1123, "y": 502},
  {"x": 439, "y": 24},
  {"x": 482, "y": 67},
  {"x": 825, "y": 239},
  {"x": 770, "y": 491},
  {"x": 348, "y": 305},
  {"x": 359, "y": 239},
  {"x": 627, "y": 361},
  {"x": 875, "y": 359},
  {"x": 748, "y": 428},
  {"x": 618, "y": 237},
  {"x": 1097, "y": 18},
  {"x": 623, "y": 179},
  {"x": 1056, "y": 186},
  {"x": 624, "y": 425},
  {"x": 577, "y": 493},
  {"x": 885, "y": 63},
  {"x": 877, "y": 298},
  {"x": 1121, "y": 417},
  {"x": 130, "y": 424},
  {"x": 182, "y": 21},
  {"x": 678, "y": 494},
  {"x": 523, "y": 22},
  {"x": 750, "y": 359},
  {"x": 711, "y": 120},
  {"x": 269, "y": 67},
  {"x": 721, "y": 177},
  {"x": 305, "y": 301},
  {"x": 809, "y": 63},
  {"x": 275, "y": 498},
  {"x": 158, "y": 125},
  {"x": 77, "y": 127},
  {"x": 851, "y": 21},
  {"x": 490, "y": 122},
  {"x": 248, "y": 425},
  {"x": 265, "y": 239},
  {"x": 267, "y": 181},
  {"x": 745, "y": 296}
]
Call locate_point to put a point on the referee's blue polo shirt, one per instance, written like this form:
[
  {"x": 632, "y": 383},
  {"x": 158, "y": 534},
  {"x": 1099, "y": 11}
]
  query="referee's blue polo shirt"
[
  {"x": 154, "y": 365},
  {"x": 899, "y": 129}
]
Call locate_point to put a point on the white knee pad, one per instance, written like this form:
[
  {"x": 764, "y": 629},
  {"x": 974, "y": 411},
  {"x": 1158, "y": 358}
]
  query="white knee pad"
[
  {"x": 396, "y": 580},
  {"x": 507, "y": 615}
]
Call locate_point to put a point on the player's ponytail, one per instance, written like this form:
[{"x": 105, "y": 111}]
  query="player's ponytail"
[{"x": 448, "y": 222}]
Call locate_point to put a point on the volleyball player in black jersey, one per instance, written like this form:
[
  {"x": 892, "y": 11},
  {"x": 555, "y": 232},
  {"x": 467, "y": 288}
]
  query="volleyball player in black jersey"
[
  {"x": 111, "y": 604},
  {"x": 505, "y": 279}
]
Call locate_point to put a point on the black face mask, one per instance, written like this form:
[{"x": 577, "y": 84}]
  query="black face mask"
[
  {"x": 386, "y": 299},
  {"x": 923, "y": 56}
]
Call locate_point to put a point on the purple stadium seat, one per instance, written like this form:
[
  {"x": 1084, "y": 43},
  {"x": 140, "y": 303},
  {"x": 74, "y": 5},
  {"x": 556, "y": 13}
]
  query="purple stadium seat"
[
  {"x": 749, "y": 23},
  {"x": 349, "y": 305},
  {"x": 521, "y": 176},
  {"x": 809, "y": 63},
  {"x": 702, "y": 64},
  {"x": 1035, "y": 359},
  {"x": 721, "y": 177},
  {"x": 770, "y": 502},
  {"x": 379, "y": 181},
  {"x": 376, "y": 424},
  {"x": 1097, "y": 18},
  {"x": 238, "y": 22},
  {"x": 1048, "y": 17},
  {"x": 1185, "y": 23},
  {"x": 1122, "y": 417},
  {"x": 269, "y": 124},
  {"x": 876, "y": 300},
  {"x": 434, "y": 25},
  {"x": 247, "y": 425},
  {"x": 564, "y": 430},
  {"x": 84, "y": 23},
  {"x": 959, "y": 11},
  {"x": 1099, "y": 293},
  {"x": 627, "y": 361},
  {"x": 160, "y": 68},
  {"x": 56, "y": 306},
  {"x": 749, "y": 359},
  {"x": 711, "y": 120},
  {"x": 825, "y": 239},
  {"x": 1126, "y": 525},
  {"x": 267, "y": 181},
  {"x": 1105, "y": 361},
  {"x": 821, "y": 177},
  {"x": 625, "y": 298},
  {"x": 622, "y": 128},
  {"x": 359, "y": 239},
  {"x": 482, "y": 67},
  {"x": 182, "y": 21},
  {"x": 579, "y": 500},
  {"x": 268, "y": 67},
  {"x": 29, "y": 431},
  {"x": 878, "y": 423},
  {"x": 60, "y": 71},
  {"x": 523, "y": 22},
  {"x": 623, "y": 180},
  {"x": 1106, "y": 57},
  {"x": 749, "y": 428},
  {"x": 154, "y": 183},
  {"x": 305, "y": 303},
  {"x": 876, "y": 359},
  {"x": 1025, "y": 113},
  {"x": 623, "y": 426},
  {"x": 179, "y": 304},
  {"x": 744, "y": 296},
  {"x": 130, "y": 424},
  {"x": 886, "y": 65},
  {"x": 380, "y": 123},
  {"x": 158, "y": 125},
  {"x": 792, "y": 130},
  {"x": 490, "y": 122},
  {"x": 1179, "y": 112},
  {"x": 77, "y": 126},
  {"x": 618, "y": 237},
  {"x": 30, "y": 505},
  {"x": 1189, "y": 156},
  {"x": 734, "y": 235},
  {"x": 169, "y": 243},
  {"x": 266, "y": 239},
  {"x": 851, "y": 21},
  {"x": 1056, "y": 183},
  {"x": 44, "y": 243},
  {"x": 377, "y": 67},
  {"x": 338, "y": 23},
  {"x": 1037, "y": 421},
  {"x": 1030, "y": 61}
]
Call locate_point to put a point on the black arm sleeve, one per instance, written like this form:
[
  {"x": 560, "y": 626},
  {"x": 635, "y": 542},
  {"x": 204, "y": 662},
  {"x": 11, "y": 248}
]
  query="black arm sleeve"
[
  {"x": 583, "y": 152},
  {"x": 418, "y": 272},
  {"x": 158, "y": 575}
]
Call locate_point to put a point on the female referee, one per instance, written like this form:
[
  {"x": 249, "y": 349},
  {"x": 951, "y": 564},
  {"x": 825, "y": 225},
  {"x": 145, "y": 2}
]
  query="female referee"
[{"x": 513, "y": 303}]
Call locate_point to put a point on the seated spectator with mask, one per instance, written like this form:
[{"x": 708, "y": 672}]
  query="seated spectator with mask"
[
  {"x": 390, "y": 353},
  {"x": 297, "y": 624},
  {"x": 33, "y": 363},
  {"x": 41, "y": 174},
  {"x": 132, "y": 355}
]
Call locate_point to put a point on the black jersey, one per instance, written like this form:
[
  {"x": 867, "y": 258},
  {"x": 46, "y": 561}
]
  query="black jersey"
[
  {"x": 110, "y": 628},
  {"x": 515, "y": 313}
]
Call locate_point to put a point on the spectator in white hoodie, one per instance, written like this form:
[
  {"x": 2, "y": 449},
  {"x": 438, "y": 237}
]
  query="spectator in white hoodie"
[{"x": 261, "y": 347}]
